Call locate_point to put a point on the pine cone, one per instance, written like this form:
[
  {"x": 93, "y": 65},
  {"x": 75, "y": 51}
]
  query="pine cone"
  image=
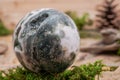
[{"x": 108, "y": 16}]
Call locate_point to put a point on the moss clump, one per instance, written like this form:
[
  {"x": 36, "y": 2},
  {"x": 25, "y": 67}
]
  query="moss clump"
[
  {"x": 3, "y": 30},
  {"x": 80, "y": 21},
  {"x": 84, "y": 72}
]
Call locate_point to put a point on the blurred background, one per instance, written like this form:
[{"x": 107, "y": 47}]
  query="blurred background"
[
  {"x": 83, "y": 12},
  {"x": 11, "y": 11}
]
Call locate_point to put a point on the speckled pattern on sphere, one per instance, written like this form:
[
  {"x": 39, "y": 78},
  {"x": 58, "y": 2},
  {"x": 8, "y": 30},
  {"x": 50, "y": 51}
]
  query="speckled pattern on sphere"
[{"x": 46, "y": 40}]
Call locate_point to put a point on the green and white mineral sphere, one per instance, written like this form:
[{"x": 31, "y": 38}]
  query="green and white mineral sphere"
[{"x": 46, "y": 40}]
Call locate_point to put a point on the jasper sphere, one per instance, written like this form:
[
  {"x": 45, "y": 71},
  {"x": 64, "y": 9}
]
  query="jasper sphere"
[{"x": 46, "y": 40}]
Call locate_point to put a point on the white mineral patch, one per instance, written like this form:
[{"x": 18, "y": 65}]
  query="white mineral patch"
[{"x": 71, "y": 40}]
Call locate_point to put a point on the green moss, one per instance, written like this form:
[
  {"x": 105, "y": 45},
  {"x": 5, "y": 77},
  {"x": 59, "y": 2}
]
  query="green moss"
[
  {"x": 84, "y": 72},
  {"x": 80, "y": 21},
  {"x": 3, "y": 30},
  {"x": 89, "y": 34},
  {"x": 118, "y": 53}
]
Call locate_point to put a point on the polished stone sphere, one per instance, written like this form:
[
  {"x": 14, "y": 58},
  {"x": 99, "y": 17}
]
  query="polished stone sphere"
[{"x": 46, "y": 40}]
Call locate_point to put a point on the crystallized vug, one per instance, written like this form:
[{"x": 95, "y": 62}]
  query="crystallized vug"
[{"x": 46, "y": 40}]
